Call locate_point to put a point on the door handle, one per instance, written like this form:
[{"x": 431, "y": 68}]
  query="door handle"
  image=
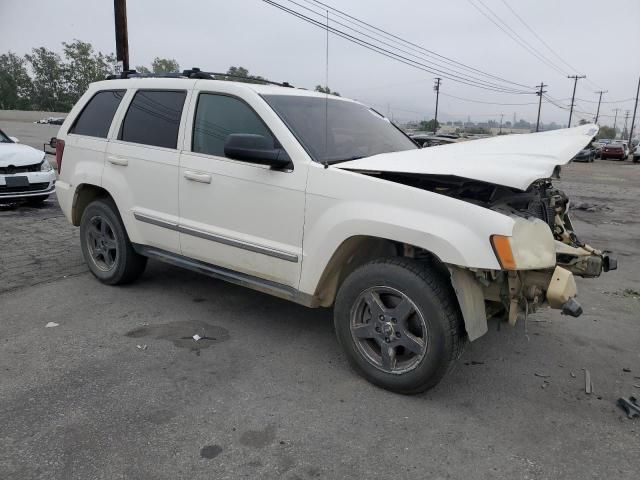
[
  {"x": 118, "y": 160},
  {"x": 197, "y": 177}
]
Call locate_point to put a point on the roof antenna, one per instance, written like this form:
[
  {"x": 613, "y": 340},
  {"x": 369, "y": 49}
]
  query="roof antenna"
[{"x": 326, "y": 99}]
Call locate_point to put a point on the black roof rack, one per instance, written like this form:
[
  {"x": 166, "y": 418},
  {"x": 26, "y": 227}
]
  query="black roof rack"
[{"x": 196, "y": 73}]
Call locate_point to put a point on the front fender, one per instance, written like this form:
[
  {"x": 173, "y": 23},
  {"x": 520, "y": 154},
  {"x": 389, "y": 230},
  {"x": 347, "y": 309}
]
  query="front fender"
[{"x": 457, "y": 232}]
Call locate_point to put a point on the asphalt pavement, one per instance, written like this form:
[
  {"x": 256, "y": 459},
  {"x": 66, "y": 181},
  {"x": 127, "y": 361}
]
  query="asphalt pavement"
[{"x": 118, "y": 389}]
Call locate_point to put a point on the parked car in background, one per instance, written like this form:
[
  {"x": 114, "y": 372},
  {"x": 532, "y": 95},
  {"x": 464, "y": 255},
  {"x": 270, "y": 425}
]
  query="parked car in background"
[
  {"x": 426, "y": 140},
  {"x": 636, "y": 154},
  {"x": 51, "y": 121},
  {"x": 587, "y": 154},
  {"x": 25, "y": 173},
  {"x": 625, "y": 144},
  {"x": 615, "y": 151}
]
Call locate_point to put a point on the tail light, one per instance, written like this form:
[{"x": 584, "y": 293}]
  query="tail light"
[{"x": 59, "y": 152}]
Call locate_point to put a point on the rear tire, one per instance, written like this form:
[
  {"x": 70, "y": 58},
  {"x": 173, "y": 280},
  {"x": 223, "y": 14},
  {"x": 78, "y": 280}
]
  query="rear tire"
[
  {"x": 106, "y": 247},
  {"x": 399, "y": 324}
]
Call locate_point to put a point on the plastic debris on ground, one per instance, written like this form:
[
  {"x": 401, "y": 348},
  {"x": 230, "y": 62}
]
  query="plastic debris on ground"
[
  {"x": 630, "y": 405},
  {"x": 51, "y": 325},
  {"x": 197, "y": 337}
]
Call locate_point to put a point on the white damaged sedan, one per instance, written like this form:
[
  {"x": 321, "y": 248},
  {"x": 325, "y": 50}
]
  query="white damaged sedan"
[{"x": 25, "y": 173}]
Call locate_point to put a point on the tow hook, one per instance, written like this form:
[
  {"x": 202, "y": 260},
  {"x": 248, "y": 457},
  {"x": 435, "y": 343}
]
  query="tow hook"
[
  {"x": 572, "y": 307},
  {"x": 609, "y": 263}
]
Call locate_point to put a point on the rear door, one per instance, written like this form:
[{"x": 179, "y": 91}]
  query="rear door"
[
  {"x": 86, "y": 139},
  {"x": 235, "y": 214},
  {"x": 141, "y": 168}
]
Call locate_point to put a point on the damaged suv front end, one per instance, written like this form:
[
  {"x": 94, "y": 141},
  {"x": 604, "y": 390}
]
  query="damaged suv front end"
[
  {"x": 541, "y": 257},
  {"x": 512, "y": 176}
]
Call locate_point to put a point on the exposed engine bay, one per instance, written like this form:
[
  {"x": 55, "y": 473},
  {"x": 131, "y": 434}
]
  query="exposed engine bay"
[
  {"x": 541, "y": 200},
  {"x": 513, "y": 294}
]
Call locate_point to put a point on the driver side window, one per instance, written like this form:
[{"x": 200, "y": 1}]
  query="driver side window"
[{"x": 218, "y": 116}]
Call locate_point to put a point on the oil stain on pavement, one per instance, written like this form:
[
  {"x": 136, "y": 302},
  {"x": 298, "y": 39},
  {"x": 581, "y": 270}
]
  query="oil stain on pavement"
[
  {"x": 210, "y": 451},
  {"x": 259, "y": 438},
  {"x": 181, "y": 334}
]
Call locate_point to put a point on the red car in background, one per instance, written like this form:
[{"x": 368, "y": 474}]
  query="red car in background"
[{"x": 613, "y": 150}]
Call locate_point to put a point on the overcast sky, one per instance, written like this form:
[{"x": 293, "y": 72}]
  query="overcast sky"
[{"x": 600, "y": 39}]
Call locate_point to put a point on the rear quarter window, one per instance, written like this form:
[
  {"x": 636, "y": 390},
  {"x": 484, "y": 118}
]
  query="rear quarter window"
[
  {"x": 95, "y": 118},
  {"x": 153, "y": 118}
]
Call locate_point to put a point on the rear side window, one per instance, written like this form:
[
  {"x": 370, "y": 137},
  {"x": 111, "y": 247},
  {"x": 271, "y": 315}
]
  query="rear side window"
[
  {"x": 153, "y": 118},
  {"x": 95, "y": 119},
  {"x": 218, "y": 116}
]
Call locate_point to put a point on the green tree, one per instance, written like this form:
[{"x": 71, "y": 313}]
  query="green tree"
[
  {"x": 48, "y": 80},
  {"x": 15, "y": 84},
  {"x": 164, "y": 65},
  {"x": 430, "y": 126},
  {"x": 238, "y": 74},
  {"x": 321, "y": 89},
  {"x": 142, "y": 69},
  {"x": 606, "y": 132},
  {"x": 83, "y": 66},
  {"x": 582, "y": 122}
]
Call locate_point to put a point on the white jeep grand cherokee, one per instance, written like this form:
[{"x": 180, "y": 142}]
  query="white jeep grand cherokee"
[{"x": 322, "y": 201}]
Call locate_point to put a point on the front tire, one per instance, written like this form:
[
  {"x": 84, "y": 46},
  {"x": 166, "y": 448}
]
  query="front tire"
[
  {"x": 106, "y": 247},
  {"x": 399, "y": 324}
]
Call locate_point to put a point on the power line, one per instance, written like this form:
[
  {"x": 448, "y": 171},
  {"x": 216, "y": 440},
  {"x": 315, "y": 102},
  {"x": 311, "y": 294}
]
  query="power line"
[
  {"x": 538, "y": 36},
  {"x": 391, "y": 54},
  {"x": 487, "y": 103},
  {"x": 608, "y": 101},
  {"x": 345, "y": 16},
  {"x": 394, "y": 45},
  {"x": 515, "y": 36},
  {"x": 535, "y": 34}
]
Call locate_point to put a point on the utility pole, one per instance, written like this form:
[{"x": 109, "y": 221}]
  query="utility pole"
[
  {"x": 539, "y": 93},
  {"x": 615, "y": 120},
  {"x": 122, "y": 40},
  {"x": 599, "y": 101},
  {"x": 626, "y": 119},
  {"x": 436, "y": 87},
  {"x": 501, "y": 116},
  {"x": 573, "y": 97},
  {"x": 635, "y": 108}
]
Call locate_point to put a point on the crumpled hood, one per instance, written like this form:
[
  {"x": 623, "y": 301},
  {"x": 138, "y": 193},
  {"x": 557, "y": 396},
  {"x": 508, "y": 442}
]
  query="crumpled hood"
[
  {"x": 510, "y": 160},
  {"x": 18, "y": 155}
]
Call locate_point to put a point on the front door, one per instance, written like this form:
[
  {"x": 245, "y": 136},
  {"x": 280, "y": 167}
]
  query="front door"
[{"x": 234, "y": 214}]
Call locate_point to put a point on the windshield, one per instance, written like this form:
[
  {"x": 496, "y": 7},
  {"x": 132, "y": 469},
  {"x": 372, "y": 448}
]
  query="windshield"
[
  {"x": 333, "y": 130},
  {"x": 4, "y": 138}
]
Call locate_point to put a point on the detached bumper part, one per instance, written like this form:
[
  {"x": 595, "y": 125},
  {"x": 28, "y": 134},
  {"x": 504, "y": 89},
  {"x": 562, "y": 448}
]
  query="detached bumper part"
[
  {"x": 609, "y": 263},
  {"x": 572, "y": 307},
  {"x": 562, "y": 288}
]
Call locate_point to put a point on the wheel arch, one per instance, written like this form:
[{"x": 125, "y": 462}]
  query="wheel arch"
[
  {"x": 357, "y": 250},
  {"x": 85, "y": 194}
]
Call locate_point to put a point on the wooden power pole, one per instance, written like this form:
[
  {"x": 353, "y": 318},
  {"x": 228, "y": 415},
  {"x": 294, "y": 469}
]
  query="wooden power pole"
[
  {"x": 539, "y": 93},
  {"x": 122, "y": 39},
  {"x": 573, "y": 97},
  {"x": 436, "y": 87},
  {"x": 635, "y": 109}
]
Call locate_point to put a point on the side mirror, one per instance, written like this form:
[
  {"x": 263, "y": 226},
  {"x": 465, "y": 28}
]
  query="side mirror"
[
  {"x": 15, "y": 140},
  {"x": 253, "y": 148}
]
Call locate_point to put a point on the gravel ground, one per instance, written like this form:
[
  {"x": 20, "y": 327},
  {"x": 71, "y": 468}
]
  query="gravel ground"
[{"x": 271, "y": 396}]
